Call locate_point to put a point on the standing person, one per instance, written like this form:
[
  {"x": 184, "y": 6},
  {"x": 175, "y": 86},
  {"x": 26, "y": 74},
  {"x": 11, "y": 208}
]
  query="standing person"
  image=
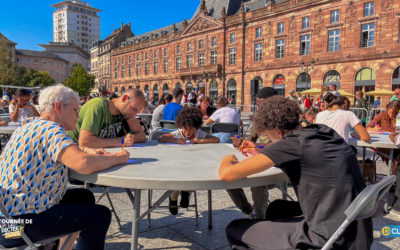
[
  {"x": 192, "y": 98},
  {"x": 360, "y": 104},
  {"x": 340, "y": 120},
  {"x": 259, "y": 194},
  {"x": 306, "y": 102},
  {"x": 324, "y": 172},
  {"x": 199, "y": 96},
  {"x": 103, "y": 123},
  {"x": 172, "y": 109},
  {"x": 34, "y": 186},
  {"x": 165, "y": 99},
  {"x": 333, "y": 90},
  {"x": 292, "y": 95},
  {"x": 21, "y": 107},
  {"x": 396, "y": 95},
  {"x": 377, "y": 103},
  {"x": 224, "y": 114}
]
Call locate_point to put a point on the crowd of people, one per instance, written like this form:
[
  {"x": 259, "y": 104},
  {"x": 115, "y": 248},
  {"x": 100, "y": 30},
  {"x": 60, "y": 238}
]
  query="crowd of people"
[{"x": 307, "y": 139}]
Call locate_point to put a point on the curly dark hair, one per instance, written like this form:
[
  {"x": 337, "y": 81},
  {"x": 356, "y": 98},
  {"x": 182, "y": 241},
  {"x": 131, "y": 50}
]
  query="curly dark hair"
[
  {"x": 277, "y": 112},
  {"x": 189, "y": 117}
]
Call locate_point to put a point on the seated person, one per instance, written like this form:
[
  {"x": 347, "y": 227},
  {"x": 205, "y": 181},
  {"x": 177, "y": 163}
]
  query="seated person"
[
  {"x": 21, "y": 106},
  {"x": 224, "y": 114},
  {"x": 309, "y": 116},
  {"x": 172, "y": 109},
  {"x": 188, "y": 121},
  {"x": 34, "y": 186},
  {"x": 386, "y": 120},
  {"x": 158, "y": 111},
  {"x": 205, "y": 107},
  {"x": 324, "y": 172}
]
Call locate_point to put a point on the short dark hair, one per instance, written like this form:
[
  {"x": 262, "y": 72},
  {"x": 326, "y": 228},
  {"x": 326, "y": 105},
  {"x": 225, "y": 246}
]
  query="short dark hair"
[
  {"x": 311, "y": 111},
  {"x": 176, "y": 92},
  {"x": 221, "y": 100},
  {"x": 189, "y": 117},
  {"x": 332, "y": 100},
  {"x": 277, "y": 112},
  {"x": 165, "y": 98},
  {"x": 22, "y": 92},
  {"x": 134, "y": 93},
  {"x": 266, "y": 92}
]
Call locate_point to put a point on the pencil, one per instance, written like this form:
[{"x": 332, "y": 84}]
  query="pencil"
[
  {"x": 122, "y": 143},
  {"x": 237, "y": 137}
]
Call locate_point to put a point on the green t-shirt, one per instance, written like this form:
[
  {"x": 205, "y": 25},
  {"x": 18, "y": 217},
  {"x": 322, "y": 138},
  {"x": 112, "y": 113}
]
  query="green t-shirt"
[
  {"x": 95, "y": 116},
  {"x": 394, "y": 98}
]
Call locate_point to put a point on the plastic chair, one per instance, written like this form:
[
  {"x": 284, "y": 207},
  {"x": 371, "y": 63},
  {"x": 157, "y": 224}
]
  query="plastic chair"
[
  {"x": 29, "y": 243},
  {"x": 168, "y": 124},
  {"x": 363, "y": 206},
  {"x": 154, "y": 136},
  {"x": 225, "y": 128}
]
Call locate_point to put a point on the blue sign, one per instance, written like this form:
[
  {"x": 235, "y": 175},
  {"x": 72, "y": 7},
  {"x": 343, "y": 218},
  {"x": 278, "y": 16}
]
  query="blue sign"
[{"x": 391, "y": 231}]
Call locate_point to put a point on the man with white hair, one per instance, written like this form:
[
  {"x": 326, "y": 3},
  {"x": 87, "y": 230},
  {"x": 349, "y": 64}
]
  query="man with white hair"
[
  {"x": 34, "y": 176},
  {"x": 104, "y": 123}
]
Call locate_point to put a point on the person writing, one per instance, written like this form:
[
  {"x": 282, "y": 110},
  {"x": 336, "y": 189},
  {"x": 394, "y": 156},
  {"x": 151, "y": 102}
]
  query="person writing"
[
  {"x": 34, "y": 186},
  {"x": 21, "y": 108},
  {"x": 386, "y": 120},
  {"x": 324, "y": 172},
  {"x": 205, "y": 108}
]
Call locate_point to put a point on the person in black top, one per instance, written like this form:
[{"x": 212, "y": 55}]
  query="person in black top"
[{"x": 324, "y": 172}]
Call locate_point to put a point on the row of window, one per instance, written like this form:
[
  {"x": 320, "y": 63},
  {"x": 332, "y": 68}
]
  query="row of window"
[{"x": 36, "y": 61}]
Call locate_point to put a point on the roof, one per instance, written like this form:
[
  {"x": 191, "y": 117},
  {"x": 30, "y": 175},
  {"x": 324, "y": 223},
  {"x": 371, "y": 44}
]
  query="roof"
[
  {"x": 7, "y": 40},
  {"x": 36, "y": 53},
  {"x": 156, "y": 33},
  {"x": 87, "y": 6}
]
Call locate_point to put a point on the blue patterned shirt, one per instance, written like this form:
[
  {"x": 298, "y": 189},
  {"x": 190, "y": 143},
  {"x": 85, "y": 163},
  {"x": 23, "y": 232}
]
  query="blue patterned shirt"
[{"x": 31, "y": 179}]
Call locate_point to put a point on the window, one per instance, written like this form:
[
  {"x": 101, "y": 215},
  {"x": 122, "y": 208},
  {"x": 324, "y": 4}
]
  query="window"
[
  {"x": 178, "y": 49},
  {"x": 122, "y": 61},
  {"x": 146, "y": 56},
  {"x": 122, "y": 71},
  {"x": 165, "y": 66},
  {"x": 232, "y": 37},
  {"x": 156, "y": 54},
  {"x": 189, "y": 46},
  {"x": 280, "y": 48},
  {"x": 367, "y": 35},
  {"x": 188, "y": 61},
  {"x": 333, "y": 41},
  {"x": 165, "y": 52},
  {"x": 178, "y": 63},
  {"x": 27, "y": 60},
  {"x": 115, "y": 73},
  {"x": 138, "y": 69},
  {"x": 35, "y": 61},
  {"x": 146, "y": 69},
  {"x": 201, "y": 44},
  {"x": 258, "y": 32},
  {"x": 130, "y": 71},
  {"x": 305, "y": 45},
  {"x": 138, "y": 57},
  {"x": 116, "y": 62},
  {"x": 369, "y": 9},
  {"x": 232, "y": 56},
  {"x": 201, "y": 59},
  {"x": 258, "y": 52},
  {"x": 214, "y": 41},
  {"x": 281, "y": 28},
  {"x": 305, "y": 23},
  {"x": 130, "y": 59},
  {"x": 335, "y": 14},
  {"x": 155, "y": 68},
  {"x": 213, "y": 57}
]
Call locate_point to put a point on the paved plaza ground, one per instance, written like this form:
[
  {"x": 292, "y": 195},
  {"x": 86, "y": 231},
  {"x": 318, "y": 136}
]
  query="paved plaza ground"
[{"x": 182, "y": 232}]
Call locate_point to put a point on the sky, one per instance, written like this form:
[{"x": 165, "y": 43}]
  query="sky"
[{"x": 29, "y": 23}]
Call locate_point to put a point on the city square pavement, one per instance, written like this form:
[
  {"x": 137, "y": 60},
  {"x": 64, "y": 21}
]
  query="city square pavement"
[{"x": 181, "y": 231}]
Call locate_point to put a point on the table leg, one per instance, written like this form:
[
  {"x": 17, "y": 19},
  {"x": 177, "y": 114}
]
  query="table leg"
[
  {"x": 390, "y": 161},
  {"x": 209, "y": 210},
  {"x": 136, "y": 213},
  {"x": 363, "y": 161},
  {"x": 284, "y": 190}
]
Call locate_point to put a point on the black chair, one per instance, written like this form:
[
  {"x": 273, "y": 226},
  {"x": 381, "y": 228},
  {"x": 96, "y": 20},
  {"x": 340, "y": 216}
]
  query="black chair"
[
  {"x": 168, "y": 124},
  {"x": 225, "y": 127}
]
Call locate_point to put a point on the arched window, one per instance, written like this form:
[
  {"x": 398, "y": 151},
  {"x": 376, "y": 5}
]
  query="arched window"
[
  {"x": 130, "y": 87},
  {"x": 396, "y": 79},
  {"x": 258, "y": 84},
  {"x": 178, "y": 85},
  {"x": 365, "y": 81},
  {"x": 332, "y": 77},
  {"x": 303, "y": 82},
  {"x": 155, "y": 93},
  {"x": 122, "y": 90},
  {"x": 231, "y": 93},
  {"x": 202, "y": 87},
  {"x": 279, "y": 84},
  {"x": 213, "y": 91},
  {"x": 146, "y": 91},
  {"x": 165, "y": 89},
  {"x": 189, "y": 87},
  {"x": 116, "y": 90}
]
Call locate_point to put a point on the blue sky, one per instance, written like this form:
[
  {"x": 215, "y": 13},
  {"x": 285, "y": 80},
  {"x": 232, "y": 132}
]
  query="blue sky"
[{"x": 29, "y": 23}]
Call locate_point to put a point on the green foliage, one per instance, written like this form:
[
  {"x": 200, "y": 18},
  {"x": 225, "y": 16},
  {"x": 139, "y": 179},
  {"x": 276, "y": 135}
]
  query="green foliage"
[
  {"x": 80, "y": 81},
  {"x": 33, "y": 78}
]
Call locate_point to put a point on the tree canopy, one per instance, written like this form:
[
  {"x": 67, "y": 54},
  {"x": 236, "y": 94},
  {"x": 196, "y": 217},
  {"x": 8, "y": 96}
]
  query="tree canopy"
[{"x": 80, "y": 80}]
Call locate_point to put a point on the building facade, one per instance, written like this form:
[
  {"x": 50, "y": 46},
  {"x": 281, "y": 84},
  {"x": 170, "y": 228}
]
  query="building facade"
[
  {"x": 76, "y": 22},
  {"x": 9, "y": 49},
  {"x": 100, "y": 55},
  {"x": 57, "y": 67},
  {"x": 233, "y": 48}
]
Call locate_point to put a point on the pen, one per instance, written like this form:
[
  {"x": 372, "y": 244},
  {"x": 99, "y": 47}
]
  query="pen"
[
  {"x": 237, "y": 137},
  {"x": 122, "y": 143}
]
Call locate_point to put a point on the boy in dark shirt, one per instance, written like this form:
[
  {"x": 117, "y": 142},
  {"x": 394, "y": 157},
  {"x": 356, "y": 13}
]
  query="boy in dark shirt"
[{"x": 325, "y": 176}]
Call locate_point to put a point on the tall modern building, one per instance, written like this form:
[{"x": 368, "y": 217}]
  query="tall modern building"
[{"x": 76, "y": 22}]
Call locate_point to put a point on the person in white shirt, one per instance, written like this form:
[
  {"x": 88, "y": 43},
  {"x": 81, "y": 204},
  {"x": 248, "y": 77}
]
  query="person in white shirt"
[
  {"x": 341, "y": 120},
  {"x": 224, "y": 114}
]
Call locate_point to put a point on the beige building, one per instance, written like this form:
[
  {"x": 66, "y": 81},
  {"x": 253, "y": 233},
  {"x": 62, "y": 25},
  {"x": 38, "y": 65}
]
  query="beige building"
[{"x": 10, "y": 47}]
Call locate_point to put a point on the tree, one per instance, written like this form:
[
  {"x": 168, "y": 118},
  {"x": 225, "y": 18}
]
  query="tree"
[
  {"x": 33, "y": 78},
  {"x": 80, "y": 81}
]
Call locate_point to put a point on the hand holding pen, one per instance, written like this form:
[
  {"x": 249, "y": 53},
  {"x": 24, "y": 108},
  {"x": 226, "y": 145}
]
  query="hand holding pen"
[
  {"x": 249, "y": 147},
  {"x": 128, "y": 140}
]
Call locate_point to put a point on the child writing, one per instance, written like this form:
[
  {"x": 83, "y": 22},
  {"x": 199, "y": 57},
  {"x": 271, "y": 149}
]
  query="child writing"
[{"x": 188, "y": 121}]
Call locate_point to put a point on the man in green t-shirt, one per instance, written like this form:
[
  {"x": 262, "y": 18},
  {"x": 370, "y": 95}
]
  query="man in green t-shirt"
[
  {"x": 259, "y": 194},
  {"x": 102, "y": 122}
]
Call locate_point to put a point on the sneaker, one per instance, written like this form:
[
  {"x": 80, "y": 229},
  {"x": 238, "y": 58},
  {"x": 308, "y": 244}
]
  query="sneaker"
[
  {"x": 173, "y": 206},
  {"x": 185, "y": 198}
]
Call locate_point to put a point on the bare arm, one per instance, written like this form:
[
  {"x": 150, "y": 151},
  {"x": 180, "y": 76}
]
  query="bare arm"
[
  {"x": 89, "y": 139},
  {"x": 362, "y": 132},
  {"x": 15, "y": 114},
  {"x": 168, "y": 138},
  {"x": 134, "y": 126},
  {"x": 208, "y": 121},
  {"x": 84, "y": 163},
  {"x": 208, "y": 139},
  {"x": 231, "y": 170}
]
